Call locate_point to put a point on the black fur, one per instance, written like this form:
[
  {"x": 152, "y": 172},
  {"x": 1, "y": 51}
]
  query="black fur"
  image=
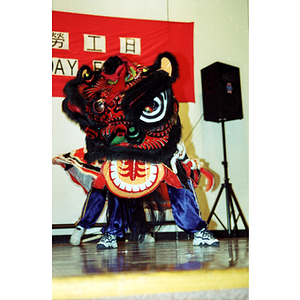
[
  {"x": 73, "y": 98},
  {"x": 111, "y": 65},
  {"x": 96, "y": 150}
]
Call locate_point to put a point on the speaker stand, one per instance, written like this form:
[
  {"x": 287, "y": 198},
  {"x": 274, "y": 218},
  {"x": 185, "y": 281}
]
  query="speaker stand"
[{"x": 229, "y": 196}]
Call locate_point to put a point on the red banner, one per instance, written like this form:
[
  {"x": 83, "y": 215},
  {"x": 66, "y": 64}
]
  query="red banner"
[{"x": 79, "y": 39}]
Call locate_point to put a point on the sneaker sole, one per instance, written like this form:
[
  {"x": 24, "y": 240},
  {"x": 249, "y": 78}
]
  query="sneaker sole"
[
  {"x": 75, "y": 243},
  {"x": 101, "y": 247},
  {"x": 207, "y": 244}
]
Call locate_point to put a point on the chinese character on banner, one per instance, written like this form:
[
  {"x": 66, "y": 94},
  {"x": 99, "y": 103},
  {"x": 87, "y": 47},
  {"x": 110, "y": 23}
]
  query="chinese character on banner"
[
  {"x": 95, "y": 43},
  {"x": 60, "y": 40},
  {"x": 130, "y": 46},
  {"x": 79, "y": 39}
]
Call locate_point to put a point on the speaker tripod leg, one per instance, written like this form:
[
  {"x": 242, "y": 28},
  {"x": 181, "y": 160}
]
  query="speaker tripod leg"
[
  {"x": 239, "y": 208},
  {"x": 228, "y": 206},
  {"x": 229, "y": 193},
  {"x": 215, "y": 204},
  {"x": 231, "y": 207}
]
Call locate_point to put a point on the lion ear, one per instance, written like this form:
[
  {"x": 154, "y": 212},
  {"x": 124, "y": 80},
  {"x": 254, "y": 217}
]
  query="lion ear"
[
  {"x": 165, "y": 65},
  {"x": 168, "y": 63}
]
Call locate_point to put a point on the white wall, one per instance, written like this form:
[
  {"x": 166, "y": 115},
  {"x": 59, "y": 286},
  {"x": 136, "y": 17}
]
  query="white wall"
[{"x": 220, "y": 34}]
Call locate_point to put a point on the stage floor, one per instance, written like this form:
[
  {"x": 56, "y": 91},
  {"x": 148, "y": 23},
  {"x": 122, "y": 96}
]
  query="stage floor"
[{"x": 167, "y": 269}]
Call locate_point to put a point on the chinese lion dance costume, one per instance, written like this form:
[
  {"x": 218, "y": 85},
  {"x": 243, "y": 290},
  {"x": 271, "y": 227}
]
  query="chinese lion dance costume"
[{"x": 133, "y": 157}]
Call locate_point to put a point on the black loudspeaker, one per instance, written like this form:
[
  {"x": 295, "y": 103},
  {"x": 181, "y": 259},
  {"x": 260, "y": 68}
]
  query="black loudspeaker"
[{"x": 221, "y": 89}]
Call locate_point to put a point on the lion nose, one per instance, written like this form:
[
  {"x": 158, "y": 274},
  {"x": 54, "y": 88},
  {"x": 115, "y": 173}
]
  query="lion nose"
[{"x": 113, "y": 133}]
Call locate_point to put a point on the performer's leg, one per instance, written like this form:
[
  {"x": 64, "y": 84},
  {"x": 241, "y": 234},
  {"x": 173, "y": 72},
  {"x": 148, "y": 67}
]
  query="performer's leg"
[
  {"x": 114, "y": 227},
  {"x": 92, "y": 208},
  {"x": 187, "y": 215},
  {"x": 185, "y": 209},
  {"x": 91, "y": 211}
]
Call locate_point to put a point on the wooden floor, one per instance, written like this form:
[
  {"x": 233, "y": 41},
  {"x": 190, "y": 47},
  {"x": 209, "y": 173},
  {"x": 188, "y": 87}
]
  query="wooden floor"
[{"x": 162, "y": 270}]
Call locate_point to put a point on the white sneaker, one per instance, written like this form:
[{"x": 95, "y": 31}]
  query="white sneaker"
[
  {"x": 205, "y": 237},
  {"x": 148, "y": 238},
  {"x": 107, "y": 241},
  {"x": 77, "y": 235}
]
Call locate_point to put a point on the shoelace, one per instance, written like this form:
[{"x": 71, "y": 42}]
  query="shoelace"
[
  {"x": 108, "y": 237},
  {"x": 206, "y": 233}
]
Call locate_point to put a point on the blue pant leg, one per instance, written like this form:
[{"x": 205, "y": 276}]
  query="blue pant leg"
[
  {"x": 185, "y": 209},
  {"x": 115, "y": 226},
  {"x": 92, "y": 208}
]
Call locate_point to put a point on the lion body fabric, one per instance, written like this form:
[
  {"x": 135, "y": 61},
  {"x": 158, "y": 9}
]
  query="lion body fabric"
[{"x": 133, "y": 157}]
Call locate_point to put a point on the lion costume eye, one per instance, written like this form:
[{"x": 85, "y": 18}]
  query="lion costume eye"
[{"x": 156, "y": 110}]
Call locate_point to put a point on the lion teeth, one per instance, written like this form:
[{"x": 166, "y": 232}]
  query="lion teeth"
[
  {"x": 114, "y": 175},
  {"x": 131, "y": 187},
  {"x": 117, "y": 181}
]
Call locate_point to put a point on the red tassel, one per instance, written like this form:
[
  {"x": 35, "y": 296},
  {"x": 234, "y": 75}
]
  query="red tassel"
[{"x": 210, "y": 178}]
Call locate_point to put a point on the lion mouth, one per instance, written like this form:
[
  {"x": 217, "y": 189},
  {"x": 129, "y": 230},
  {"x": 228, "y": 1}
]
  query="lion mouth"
[{"x": 132, "y": 178}]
